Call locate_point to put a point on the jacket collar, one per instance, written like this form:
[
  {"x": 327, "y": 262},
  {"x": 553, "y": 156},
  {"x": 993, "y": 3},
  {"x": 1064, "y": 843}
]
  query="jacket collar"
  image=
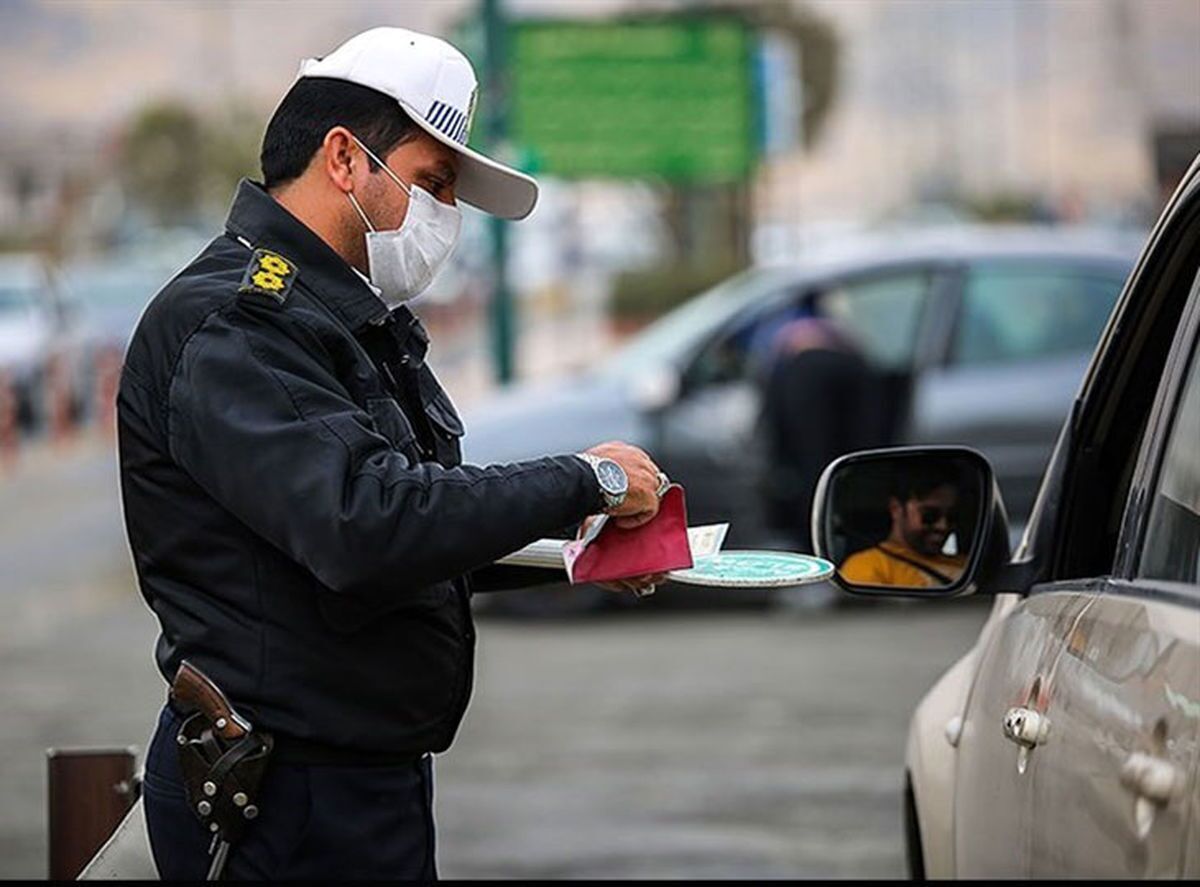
[{"x": 259, "y": 218}]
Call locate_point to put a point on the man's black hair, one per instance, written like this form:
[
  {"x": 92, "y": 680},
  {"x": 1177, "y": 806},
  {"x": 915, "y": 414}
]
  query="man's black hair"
[
  {"x": 312, "y": 107},
  {"x": 919, "y": 482}
]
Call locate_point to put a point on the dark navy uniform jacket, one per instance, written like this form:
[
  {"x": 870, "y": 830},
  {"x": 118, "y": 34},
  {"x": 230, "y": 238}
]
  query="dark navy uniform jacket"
[{"x": 299, "y": 518}]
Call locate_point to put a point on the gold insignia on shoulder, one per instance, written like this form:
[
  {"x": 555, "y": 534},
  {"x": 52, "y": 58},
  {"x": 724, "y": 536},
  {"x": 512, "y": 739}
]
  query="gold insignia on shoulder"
[{"x": 269, "y": 274}]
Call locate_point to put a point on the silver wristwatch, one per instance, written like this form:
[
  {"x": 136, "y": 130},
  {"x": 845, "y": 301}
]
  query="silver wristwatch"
[{"x": 614, "y": 483}]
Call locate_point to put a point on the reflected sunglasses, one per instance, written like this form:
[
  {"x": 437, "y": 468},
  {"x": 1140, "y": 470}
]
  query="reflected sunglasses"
[{"x": 930, "y": 514}]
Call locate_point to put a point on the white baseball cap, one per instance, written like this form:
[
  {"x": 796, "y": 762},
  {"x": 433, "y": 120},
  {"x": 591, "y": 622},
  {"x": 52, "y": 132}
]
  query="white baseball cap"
[{"x": 435, "y": 85}]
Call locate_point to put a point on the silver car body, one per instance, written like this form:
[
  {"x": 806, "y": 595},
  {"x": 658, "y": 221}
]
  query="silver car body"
[{"x": 1103, "y": 656}]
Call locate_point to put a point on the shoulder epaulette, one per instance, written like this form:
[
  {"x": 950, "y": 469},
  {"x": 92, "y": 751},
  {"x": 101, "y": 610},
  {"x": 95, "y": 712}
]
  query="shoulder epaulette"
[{"x": 269, "y": 274}]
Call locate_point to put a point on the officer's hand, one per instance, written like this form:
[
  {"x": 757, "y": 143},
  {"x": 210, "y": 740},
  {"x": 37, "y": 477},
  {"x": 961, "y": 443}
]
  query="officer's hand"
[{"x": 641, "y": 503}]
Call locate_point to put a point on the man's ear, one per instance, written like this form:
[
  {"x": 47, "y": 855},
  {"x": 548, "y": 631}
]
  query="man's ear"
[
  {"x": 895, "y": 508},
  {"x": 341, "y": 158}
]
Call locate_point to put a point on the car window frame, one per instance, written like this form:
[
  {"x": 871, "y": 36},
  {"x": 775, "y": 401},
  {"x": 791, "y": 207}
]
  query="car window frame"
[
  {"x": 783, "y": 295},
  {"x": 930, "y": 269},
  {"x": 931, "y": 339},
  {"x": 1054, "y": 532},
  {"x": 1183, "y": 358}
]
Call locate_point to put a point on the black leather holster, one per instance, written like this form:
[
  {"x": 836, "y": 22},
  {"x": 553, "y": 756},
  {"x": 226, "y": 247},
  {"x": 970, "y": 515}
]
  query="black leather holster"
[{"x": 222, "y": 777}]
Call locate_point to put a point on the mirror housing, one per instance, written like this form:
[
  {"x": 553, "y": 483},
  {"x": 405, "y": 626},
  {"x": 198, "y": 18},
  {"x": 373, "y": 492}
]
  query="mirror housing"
[{"x": 859, "y": 516}]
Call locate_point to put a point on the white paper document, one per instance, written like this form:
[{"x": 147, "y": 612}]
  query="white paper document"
[{"x": 548, "y": 553}]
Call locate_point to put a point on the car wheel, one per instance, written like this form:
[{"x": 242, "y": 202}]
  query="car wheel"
[{"x": 912, "y": 834}]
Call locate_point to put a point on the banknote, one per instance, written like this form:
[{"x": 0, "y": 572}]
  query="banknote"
[
  {"x": 706, "y": 540},
  {"x": 548, "y": 553}
]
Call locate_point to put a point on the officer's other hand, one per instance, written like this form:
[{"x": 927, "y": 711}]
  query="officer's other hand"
[
  {"x": 639, "y": 585},
  {"x": 641, "y": 502}
]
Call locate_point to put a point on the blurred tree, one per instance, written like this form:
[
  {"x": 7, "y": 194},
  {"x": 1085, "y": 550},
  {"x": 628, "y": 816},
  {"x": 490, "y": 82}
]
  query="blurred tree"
[
  {"x": 1008, "y": 206},
  {"x": 640, "y": 295},
  {"x": 230, "y": 151},
  {"x": 816, "y": 44},
  {"x": 711, "y": 226},
  {"x": 161, "y": 162},
  {"x": 180, "y": 167}
]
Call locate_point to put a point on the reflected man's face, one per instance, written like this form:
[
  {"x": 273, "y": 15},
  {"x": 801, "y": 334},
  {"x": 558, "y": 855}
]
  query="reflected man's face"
[{"x": 926, "y": 522}]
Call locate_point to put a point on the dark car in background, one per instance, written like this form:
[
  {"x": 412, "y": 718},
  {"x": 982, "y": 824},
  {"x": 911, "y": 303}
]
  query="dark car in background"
[{"x": 981, "y": 336}]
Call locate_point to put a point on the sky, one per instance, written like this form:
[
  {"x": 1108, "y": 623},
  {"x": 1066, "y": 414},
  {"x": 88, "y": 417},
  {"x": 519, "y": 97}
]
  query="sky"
[{"x": 91, "y": 62}]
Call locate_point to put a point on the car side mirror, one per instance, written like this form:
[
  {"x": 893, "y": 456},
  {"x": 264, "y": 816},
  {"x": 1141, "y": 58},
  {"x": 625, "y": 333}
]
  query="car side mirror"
[{"x": 911, "y": 521}]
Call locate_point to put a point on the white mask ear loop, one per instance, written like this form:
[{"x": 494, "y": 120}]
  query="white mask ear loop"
[
  {"x": 387, "y": 169},
  {"x": 362, "y": 215}
]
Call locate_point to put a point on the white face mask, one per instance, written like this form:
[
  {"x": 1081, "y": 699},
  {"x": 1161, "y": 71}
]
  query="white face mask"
[{"x": 402, "y": 263}]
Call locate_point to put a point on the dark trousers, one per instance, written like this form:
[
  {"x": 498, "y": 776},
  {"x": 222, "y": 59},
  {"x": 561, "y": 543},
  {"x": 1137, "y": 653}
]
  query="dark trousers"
[{"x": 316, "y": 821}]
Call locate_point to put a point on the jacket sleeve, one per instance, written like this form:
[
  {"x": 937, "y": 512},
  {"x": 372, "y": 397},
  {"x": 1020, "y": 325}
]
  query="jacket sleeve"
[
  {"x": 260, "y": 421},
  {"x": 506, "y": 577}
]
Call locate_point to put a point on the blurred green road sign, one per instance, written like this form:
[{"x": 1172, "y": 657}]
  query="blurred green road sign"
[{"x": 668, "y": 97}]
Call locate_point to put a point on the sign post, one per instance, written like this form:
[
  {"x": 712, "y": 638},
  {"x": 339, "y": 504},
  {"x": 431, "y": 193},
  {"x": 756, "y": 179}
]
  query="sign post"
[
  {"x": 667, "y": 98},
  {"x": 501, "y": 307}
]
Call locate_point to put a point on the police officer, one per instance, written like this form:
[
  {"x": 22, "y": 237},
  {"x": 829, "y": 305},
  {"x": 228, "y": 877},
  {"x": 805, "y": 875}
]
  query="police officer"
[{"x": 300, "y": 521}]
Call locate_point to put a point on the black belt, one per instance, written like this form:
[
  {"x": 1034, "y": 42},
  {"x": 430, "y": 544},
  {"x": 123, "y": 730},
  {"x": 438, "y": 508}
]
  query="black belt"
[{"x": 309, "y": 752}]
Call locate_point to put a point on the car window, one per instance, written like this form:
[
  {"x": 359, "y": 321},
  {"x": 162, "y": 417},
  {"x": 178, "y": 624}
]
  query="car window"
[
  {"x": 1013, "y": 314},
  {"x": 1171, "y": 547},
  {"x": 742, "y": 350},
  {"x": 883, "y": 313},
  {"x": 670, "y": 338}
]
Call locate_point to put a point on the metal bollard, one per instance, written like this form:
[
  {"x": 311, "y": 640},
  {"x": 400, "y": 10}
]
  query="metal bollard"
[
  {"x": 90, "y": 791},
  {"x": 10, "y": 431},
  {"x": 58, "y": 396},
  {"x": 107, "y": 371}
]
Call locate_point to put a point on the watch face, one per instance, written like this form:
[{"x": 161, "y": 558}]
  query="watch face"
[{"x": 612, "y": 477}]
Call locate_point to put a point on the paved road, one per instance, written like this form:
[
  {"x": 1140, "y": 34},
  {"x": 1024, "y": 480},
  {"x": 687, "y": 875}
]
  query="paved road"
[{"x": 720, "y": 744}]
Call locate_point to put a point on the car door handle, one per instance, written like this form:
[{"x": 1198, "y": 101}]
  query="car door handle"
[
  {"x": 1027, "y": 727},
  {"x": 1152, "y": 778},
  {"x": 1154, "y": 782}
]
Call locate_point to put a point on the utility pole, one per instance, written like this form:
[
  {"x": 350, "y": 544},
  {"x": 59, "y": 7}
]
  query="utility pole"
[{"x": 501, "y": 307}]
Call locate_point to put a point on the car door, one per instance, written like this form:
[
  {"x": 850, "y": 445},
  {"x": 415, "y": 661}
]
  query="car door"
[
  {"x": 994, "y": 777},
  {"x": 1024, "y": 332},
  {"x": 709, "y": 439},
  {"x": 1117, "y": 780}
]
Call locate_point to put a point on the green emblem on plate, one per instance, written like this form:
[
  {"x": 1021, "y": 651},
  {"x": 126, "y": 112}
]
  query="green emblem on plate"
[{"x": 755, "y": 569}]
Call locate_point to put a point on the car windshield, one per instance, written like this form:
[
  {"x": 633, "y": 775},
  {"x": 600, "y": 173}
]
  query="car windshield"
[{"x": 669, "y": 339}]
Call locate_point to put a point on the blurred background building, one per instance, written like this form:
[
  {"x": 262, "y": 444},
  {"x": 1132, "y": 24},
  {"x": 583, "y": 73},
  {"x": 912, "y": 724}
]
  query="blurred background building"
[{"x": 1074, "y": 111}]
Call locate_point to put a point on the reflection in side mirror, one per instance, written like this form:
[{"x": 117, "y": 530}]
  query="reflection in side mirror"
[{"x": 908, "y": 520}]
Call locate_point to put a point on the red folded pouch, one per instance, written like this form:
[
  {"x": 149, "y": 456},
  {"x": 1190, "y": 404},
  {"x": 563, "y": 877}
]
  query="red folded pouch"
[{"x": 609, "y": 552}]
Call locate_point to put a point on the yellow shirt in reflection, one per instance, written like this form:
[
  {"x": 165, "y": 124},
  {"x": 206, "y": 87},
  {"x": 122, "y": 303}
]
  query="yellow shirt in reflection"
[{"x": 900, "y": 567}]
